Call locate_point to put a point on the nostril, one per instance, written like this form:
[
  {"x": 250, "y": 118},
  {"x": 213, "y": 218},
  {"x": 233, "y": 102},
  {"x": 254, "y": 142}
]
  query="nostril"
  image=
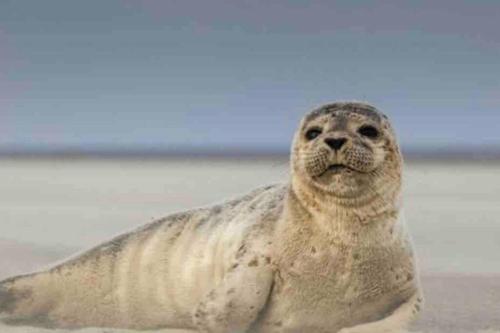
[{"x": 335, "y": 144}]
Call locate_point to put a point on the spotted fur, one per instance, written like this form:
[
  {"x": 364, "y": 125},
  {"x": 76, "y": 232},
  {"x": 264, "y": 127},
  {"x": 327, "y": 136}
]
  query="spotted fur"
[{"x": 326, "y": 252}]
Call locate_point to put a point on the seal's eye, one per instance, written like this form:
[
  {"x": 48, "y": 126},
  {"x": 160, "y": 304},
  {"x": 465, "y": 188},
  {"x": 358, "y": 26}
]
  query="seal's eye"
[
  {"x": 369, "y": 131},
  {"x": 313, "y": 133}
]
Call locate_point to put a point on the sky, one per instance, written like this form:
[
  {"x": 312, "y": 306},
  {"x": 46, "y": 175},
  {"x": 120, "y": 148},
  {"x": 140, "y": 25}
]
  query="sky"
[{"x": 240, "y": 74}]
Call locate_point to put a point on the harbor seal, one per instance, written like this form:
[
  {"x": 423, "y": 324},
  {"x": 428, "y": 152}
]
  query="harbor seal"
[{"x": 325, "y": 252}]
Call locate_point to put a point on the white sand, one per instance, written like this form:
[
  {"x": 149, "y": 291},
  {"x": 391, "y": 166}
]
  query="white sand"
[{"x": 50, "y": 209}]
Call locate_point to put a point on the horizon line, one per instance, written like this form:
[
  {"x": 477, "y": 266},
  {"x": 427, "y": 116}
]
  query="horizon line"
[{"x": 160, "y": 153}]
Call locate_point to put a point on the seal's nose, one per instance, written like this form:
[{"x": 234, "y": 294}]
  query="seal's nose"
[{"x": 335, "y": 143}]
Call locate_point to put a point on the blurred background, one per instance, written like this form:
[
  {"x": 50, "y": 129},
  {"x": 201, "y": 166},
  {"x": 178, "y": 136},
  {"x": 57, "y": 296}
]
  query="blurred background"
[
  {"x": 151, "y": 75},
  {"x": 114, "y": 113}
]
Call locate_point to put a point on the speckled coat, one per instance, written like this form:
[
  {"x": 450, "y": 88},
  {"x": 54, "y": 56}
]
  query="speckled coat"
[{"x": 284, "y": 258}]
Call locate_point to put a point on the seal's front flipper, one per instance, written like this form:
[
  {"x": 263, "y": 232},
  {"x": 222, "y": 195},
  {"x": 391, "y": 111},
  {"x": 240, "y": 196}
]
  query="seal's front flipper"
[
  {"x": 235, "y": 304},
  {"x": 395, "y": 322}
]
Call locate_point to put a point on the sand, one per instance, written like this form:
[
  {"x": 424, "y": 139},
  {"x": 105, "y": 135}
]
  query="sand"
[{"x": 53, "y": 208}]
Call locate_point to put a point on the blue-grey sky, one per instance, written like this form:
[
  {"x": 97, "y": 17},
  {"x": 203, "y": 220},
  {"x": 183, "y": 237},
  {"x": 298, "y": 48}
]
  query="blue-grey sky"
[{"x": 240, "y": 74}]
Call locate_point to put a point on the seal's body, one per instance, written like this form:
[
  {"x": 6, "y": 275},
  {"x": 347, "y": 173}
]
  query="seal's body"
[
  {"x": 325, "y": 253},
  {"x": 159, "y": 275}
]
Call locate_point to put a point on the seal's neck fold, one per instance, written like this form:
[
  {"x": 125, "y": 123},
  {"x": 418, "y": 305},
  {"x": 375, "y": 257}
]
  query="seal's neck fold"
[{"x": 375, "y": 203}]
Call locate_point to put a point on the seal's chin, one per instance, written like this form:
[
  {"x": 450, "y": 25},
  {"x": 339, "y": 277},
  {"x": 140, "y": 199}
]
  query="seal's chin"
[{"x": 341, "y": 180}]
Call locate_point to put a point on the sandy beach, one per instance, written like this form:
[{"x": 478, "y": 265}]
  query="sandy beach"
[{"x": 54, "y": 208}]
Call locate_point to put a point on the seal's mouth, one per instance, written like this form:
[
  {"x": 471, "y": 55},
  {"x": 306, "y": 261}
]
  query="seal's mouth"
[{"x": 337, "y": 168}]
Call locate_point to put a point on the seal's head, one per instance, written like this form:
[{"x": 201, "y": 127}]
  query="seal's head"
[{"x": 346, "y": 150}]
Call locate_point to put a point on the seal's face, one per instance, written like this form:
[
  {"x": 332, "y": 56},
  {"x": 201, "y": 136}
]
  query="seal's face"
[{"x": 345, "y": 149}]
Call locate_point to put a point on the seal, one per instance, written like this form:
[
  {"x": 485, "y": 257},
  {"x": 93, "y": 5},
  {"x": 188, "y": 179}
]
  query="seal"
[{"x": 325, "y": 252}]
